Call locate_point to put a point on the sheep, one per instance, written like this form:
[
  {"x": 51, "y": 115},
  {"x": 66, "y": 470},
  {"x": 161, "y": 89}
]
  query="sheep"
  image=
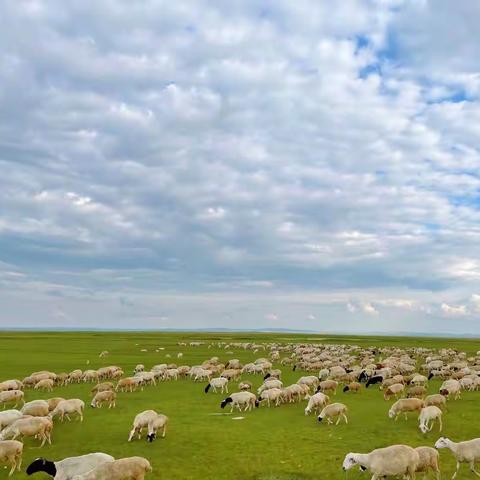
[
  {"x": 11, "y": 454},
  {"x": 427, "y": 415},
  {"x": 139, "y": 368},
  {"x": 417, "y": 392},
  {"x": 335, "y": 410},
  {"x": 10, "y": 396},
  {"x": 245, "y": 386},
  {"x": 315, "y": 402},
  {"x": 436, "y": 399},
  {"x": 405, "y": 405},
  {"x": 11, "y": 385},
  {"x": 395, "y": 460},
  {"x": 36, "y": 408},
  {"x": 218, "y": 382},
  {"x": 467, "y": 451},
  {"x": 451, "y": 387},
  {"x": 7, "y": 417},
  {"x": 75, "y": 376},
  {"x": 419, "y": 380},
  {"x": 311, "y": 381},
  {"x": 241, "y": 399},
  {"x": 393, "y": 391},
  {"x": 40, "y": 427},
  {"x": 276, "y": 373},
  {"x": 140, "y": 422},
  {"x": 53, "y": 402},
  {"x": 100, "y": 398},
  {"x": 101, "y": 387},
  {"x": 103, "y": 354},
  {"x": 73, "y": 405},
  {"x": 70, "y": 466},
  {"x": 130, "y": 468},
  {"x": 328, "y": 386},
  {"x": 267, "y": 384},
  {"x": 129, "y": 383},
  {"x": 157, "y": 423},
  {"x": 429, "y": 459},
  {"x": 353, "y": 387},
  {"x": 271, "y": 395}
]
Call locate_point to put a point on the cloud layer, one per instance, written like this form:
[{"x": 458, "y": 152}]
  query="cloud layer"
[{"x": 292, "y": 164}]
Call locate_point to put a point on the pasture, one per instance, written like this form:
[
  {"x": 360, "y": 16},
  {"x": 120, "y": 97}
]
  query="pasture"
[{"x": 204, "y": 441}]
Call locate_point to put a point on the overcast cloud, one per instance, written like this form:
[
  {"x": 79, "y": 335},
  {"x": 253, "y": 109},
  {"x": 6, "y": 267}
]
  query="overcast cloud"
[{"x": 242, "y": 164}]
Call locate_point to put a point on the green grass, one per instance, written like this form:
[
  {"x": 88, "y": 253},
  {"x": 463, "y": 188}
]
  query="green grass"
[{"x": 269, "y": 444}]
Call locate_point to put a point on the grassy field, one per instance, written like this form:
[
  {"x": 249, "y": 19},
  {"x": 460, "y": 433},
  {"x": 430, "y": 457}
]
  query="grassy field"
[{"x": 277, "y": 443}]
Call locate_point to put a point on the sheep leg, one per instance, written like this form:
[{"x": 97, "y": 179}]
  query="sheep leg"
[
  {"x": 472, "y": 469},
  {"x": 440, "y": 426},
  {"x": 338, "y": 420},
  {"x": 19, "y": 462},
  {"x": 346, "y": 419},
  {"x": 456, "y": 471}
]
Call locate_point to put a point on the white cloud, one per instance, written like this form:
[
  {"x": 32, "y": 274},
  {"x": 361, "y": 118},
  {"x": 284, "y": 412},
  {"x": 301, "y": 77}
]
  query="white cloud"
[
  {"x": 454, "y": 309},
  {"x": 369, "y": 309}
]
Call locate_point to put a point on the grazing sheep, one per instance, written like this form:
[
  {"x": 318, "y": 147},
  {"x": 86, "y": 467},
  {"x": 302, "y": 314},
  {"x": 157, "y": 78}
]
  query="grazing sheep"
[
  {"x": 429, "y": 459},
  {"x": 467, "y": 451},
  {"x": 139, "y": 368},
  {"x": 140, "y": 422},
  {"x": 276, "y": 373},
  {"x": 417, "y": 392},
  {"x": 244, "y": 386},
  {"x": 271, "y": 395},
  {"x": 46, "y": 385},
  {"x": 36, "y": 408},
  {"x": 107, "y": 396},
  {"x": 101, "y": 387},
  {"x": 11, "y": 396},
  {"x": 335, "y": 410},
  {"x": 436, "y": 399},
  {"x": 316, "y": 402},
  {"x": 396, "y": 460},
  {"x": 405, "y": 405},
  {"x": 129, "y": 383},
  {"x": 63, "y": 408},
  {"x": 130, "y": 468},
  {"x": 53, "y": 402},
  {"x": 267, "y": 384},
  {"x": 451, "y": 387},
  {"x": 40, "y": 427},
  {"x": 11, "y": 454},
  {"x": 427, "y": 415},
  {"x": 218, "y": 382},
  {"x": 11, "y": 385},
  {"x": 393, "y": 391},
  {"x": 157, "y": 423},
  {"x": 7, "y": 417},
  {"x": 241, "y": 399},
  {"x": 353, "y": 387},
  {"x": 311, "y": 381},
  {"x": 70, "y": 466},
  {"x": 419, "y": 380},
  {"x": 328, "y": 386}
]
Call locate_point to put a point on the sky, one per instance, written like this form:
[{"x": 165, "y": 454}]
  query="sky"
[{"x": 240, "y": 164}]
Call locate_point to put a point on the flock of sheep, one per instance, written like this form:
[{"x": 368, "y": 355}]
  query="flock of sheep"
[{"x": 401, "y": 374}]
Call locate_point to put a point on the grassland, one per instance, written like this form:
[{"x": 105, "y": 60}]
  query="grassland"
[{"x": 276, "y": 443}]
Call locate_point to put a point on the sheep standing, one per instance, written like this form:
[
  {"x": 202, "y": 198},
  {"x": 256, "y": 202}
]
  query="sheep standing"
[
  {"x": 467, "y": 451},
  {"x": 11, "y": 454},
  {"x": 159, "y": 422},
  {"x": 395, "y": 460},
  {"x": 405, "y": 405},
  {"x": 40, "y": 427},
  {"x": 429, "y": 459},
  {"x": 218, "y": 382},
  {"x": 45, "y": 384},
  {"x": 140, "y": 422},
  {"x": 316, "y": 402},
  {"x": 107, "y": 396},
  {"x": 11, "y": 396},
  {"x": 65, "y": 407},
  {"x": 130, "y": 468},
  {"x": 241, "y": 399},
  {"x": 335, "y": 410},
  {"x": 427, "y": 415},
  {"x": 70, "y": 466},
  {"x": 7, "y": 417}
]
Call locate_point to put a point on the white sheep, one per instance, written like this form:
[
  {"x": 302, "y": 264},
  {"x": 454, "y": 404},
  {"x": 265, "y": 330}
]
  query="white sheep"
[
  {"x": 405, "y": 405},
  {"x": 429, "y": 415},
  {"x": 271, "y": 395},
  {"x": 36, "y": 408},
  {"x": 65, "y": 407},
  {"x": 429, "y": 459},
  {"x": 395, "y": 460},
  {"x": 45, "y": 384},
  {"x": 11, "y": 454},
  {"x": 218, "y": 382},
  {"x": 7, "y": 417},
  {"x": 335, "y": 410},
  {"x": 140, "y": 422},
  {"x": 241, "y": 399},
  {"x": 267, "y": 384},
  {"x": 130, "y": 468},
  {"x": 316, "y": 402},
  {"x": 159, "y": 422},
  {"x": 40, "y": 427},
  {"x": 70, "y": 466},
  {"x": 10, "y": 396},
  {"x": 467, "y": 451},
  {"x": 107, "y": 396}
]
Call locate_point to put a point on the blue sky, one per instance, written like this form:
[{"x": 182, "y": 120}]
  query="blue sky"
[{"x": 240, "y": 164}]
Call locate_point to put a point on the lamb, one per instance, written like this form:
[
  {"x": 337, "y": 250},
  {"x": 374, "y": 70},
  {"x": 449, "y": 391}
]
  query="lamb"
[
  {"x": 130, "y": 468},
  {"x": 36, "y": 408},
  {"x": 395, "y": 460},
  {"x": 157, "y": 423},
  {"x": 10, "y": 396},
  {"x": 353, "y": 387},
  {"x": 129, "y": 383},
  {"x": 40, "y": 427},
  {"x": 467, "y": 451},
  {"x": 405, "y": 405},
  {"x": 245, "y": 386},
  {"x": 139, "y": 368},
  {"x": 427, "y": 415},
  {"x": 315, "y": 402},
  {"x": 140, "y": 422},
  {"x": 393, "y": 391},
  {"x": 70, "y": 466},
  {"x": 100, "y": 398},
  {"x": 73, "y": 405},
  {"x": 241, "y": 399},
  {"x": 428, "y": 461},
  {"x": 335, "y": 410},
  {"x": 436, "y": 399},
  {"x": 45, "y": 384},
  {"x": 271, "y": 395},
  {"x": 218, "y": 382},
  {"x": 11, "y": 454},
  {"x": 7, "y": 417}
]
